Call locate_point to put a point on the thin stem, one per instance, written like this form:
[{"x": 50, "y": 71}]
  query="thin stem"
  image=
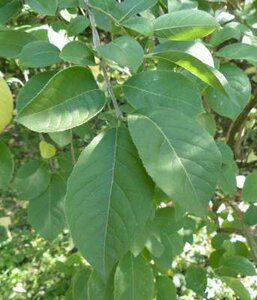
[
  {"x": 96, "y": 42},
  {"x": 73, "y": 158},
  {"x": 246, "y": 230}
]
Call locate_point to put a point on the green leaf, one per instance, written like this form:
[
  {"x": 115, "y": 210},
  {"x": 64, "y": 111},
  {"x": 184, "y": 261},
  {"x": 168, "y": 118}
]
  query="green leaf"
[
  {"x": 68, "y": 3},
  {"x": 179, "y": 155},
  {"x": 46, "y": 213},
  {"x": 32, "y": 88},
  {"x": 119, "y": 194},
  {"x": 207, "y": 121},
  {"x": 196, "y": 279},
  {"x": 6, "y": 166},
  {"x": 239, "y": 264},
  {"x": 6, "y": 104},
  {"x": 185, "y": 25},
  {"x": 62, "y": 138},
  {"x": 240, "y": 85},
  {"x": 78, "y": 25},
  {"x": 108, "y": 8},
  {"x": 100, "y": 289},
  {"x": 174, "y": 5},
  {"x": 165, "y": 288},
  {"x": 139, "y": 24},
  {"x": 133, "y": 279},
  {"x": 134, "y": 7},
  {"x": 160, "y": 89},
  {"x": 79, "y": 284},
  {"x": 39, "y": 54},
  {"x": 77, "y": 53},
  {"x": 55, "y": 108},
  {"x": 8, "y": 9},
  {"x": 124, "y": 51},
  {"x": 32, "y": 179},
  {"x": 239, "y": 51},
  {"x": 47, "y": 150},
  {"x": 251, "y": 215},
  {"x": 249, "y": 192},
  {"x": 185, "y": 57},
  {"x": 237, "y": 287},
  {"x": 12, "y": 42},
  {"x": 43, "y": 7}
]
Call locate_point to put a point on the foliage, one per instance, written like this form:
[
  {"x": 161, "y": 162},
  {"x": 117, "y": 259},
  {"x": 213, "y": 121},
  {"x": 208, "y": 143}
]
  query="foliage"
[{"x": 135, "y": 119}]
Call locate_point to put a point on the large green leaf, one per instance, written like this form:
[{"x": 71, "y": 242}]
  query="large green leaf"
[
  {"x": 237, "y": 287},
  {"x": 39, "y": 54},
  {"x": 46, "y": 213},
  {"x": 249, "y": 192},
  {"x": 12, "y": 42},
  {"x": 185, "y": 25},
  {"x": 6, "y": 166},
  {"x": 100, "y": 289},
  {"x": 43, "y": 7},
  {"x": 184, "y": 56},
  {"x": 160, "y": 89},
  {"x": 8, "y": 9},
  {"x": 124, "y": 51},
  {"x": 180, "y": 156},
  {"x": 239, "y": 51},
  {"x": 79, "y": 284},
  {"x": 32, "y": 88},
  {"x": 240, "y": 85},
  {"x": 69, "y": 99},
  {"x": 239, "y": 264},
  {"x": 78, "y": 25},
  {"x": 110, "y": 187},
  {"x": 133, "y": 7},
  {"x": 32, "y": 179},
  {"x": 140, "y": 25},
  {"x": 165, "y": 288},
  {"x": 77, "y": 53},
  {"x": 196, "y": 279},
  {"x": 133, "y": 279}
]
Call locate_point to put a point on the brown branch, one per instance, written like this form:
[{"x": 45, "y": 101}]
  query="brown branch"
[{"x": 239, "y": 122}]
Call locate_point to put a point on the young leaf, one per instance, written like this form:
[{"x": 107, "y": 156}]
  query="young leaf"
[
  {"x": 179, "y": 155},
  {"x": 43, "y": 7},
  {"x": 8, "y": 9},
  {"x": 32, "y": 179},
  {"x": 196, "y": 279},
  {"x": 237, "y": 287},
  {"x": 69, "y": 99},
  {"x": 124, "y": 51},
  {"x": 46, "y": 213},
  {"x": 160, "y": 89},
  {"x": 77, "y": 53},
  {"x": 6, "y": 166},
  {"x": 240, "y": 85},
  {"x": 249, "y": 192},
  {"x": 185, "y": 25},
  {"x": 39, "y": 54},
  {"x": 239, "y": 51},
  {"x": 6, "y": 104},
  {"x": 108, "y": 185},
  {"x": 12, "y": 42},
  {"x": 47, "y": 150},
  {"x": 165, "y": 288},
  {"x": 32, "y": 88},
  {"x": 133, "y": 279},
  {"x": 62, "y": 138}
]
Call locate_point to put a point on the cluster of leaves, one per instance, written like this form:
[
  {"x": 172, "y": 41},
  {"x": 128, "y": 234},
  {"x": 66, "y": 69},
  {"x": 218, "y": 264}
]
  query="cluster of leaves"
[{"x": 161, "y": 93}]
